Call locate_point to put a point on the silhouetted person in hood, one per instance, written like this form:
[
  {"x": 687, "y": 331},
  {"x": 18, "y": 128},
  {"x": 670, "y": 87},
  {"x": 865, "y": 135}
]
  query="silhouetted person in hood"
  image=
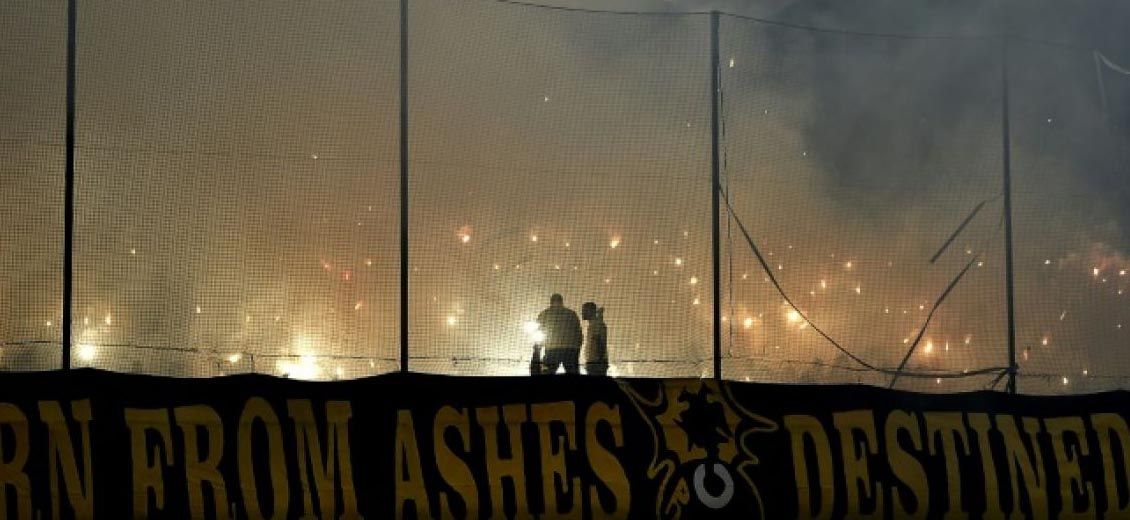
[{"x": 596, "y": 340}]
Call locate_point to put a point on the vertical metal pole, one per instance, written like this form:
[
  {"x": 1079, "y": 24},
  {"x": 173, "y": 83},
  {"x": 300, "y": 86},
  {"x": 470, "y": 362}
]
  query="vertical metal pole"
[
  {"x": 1007, "y": 178},
  {"x": 69, "y": 190},
  {"x": 715, "y": 184},
  {"x": 404, "y": 185}
]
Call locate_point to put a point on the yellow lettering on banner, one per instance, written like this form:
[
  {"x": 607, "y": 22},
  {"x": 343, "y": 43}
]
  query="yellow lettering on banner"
[
  {"x": 61, "y": 455},
  {"x": 147, "y": 471},
  {"x": 309, "y": 447},
  {"x": 905, "y": 466},
  {"x": 193, "y": 420},
  {"x": 1072, "y": 487},
  {"x": 948, "y": 429},
  {"x": 604, "y": 463},
  {"x": 554, "y": 474},
  {"x": 255, "y": 410},
  {"x": 409, "y": 472},
  {"x": 13, "y": 458},
  {"x": 1018, "y": 459},
  {"x": 453, "y": 469},
  {"x": 500, "y": 468},
  {"x": 979, "y": 422},
  {"x": 1112, "y": 430},
  {"x": 856, "y": 474},
  {"x": 801, "y": 427}
]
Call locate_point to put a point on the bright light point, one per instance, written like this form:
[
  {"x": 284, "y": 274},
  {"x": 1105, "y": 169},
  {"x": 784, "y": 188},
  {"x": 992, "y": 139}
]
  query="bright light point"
[
  {"x": 1065, "y": 381},
  {"x": 694, "y": 280},
  {"x": 655, "y": 272},
  {"x": 679, "y": 261},
  {"x": 339, "y": 372},
  {"x": 614, "y": 243},
  {"x": 133, "y": 251},
  {"x": 686, "y": 234},
  {"x": 234, "y": 358},
  {"x": 451, "y": 321},
  {"x": 607, "y": 280},
  {"x": 968, "y": 339},
  {"x": 247, "y": 319},
  {"x": 532, "y": 329},
  {"x": 464, "y": 238},
  {"x": 1062, "y": 315},
  {"x": 497, "y": 267},
  {"x": 1044, "y": 341},
  {"x": 557, "y": 267},
  {"x": 567, "y": 244},
  {"x": 823, "y": 284},
  {"x": 1121, "y": 272},
  {"x": 921, "y": 307},
  {"x": 656, "y": 242},
  {"x": 793, "y": 316},
  {"x": 858, "y": 290},
  {"x": 86, "y": 321},
  {"x": 731, "y": 63},
  {"x": 696, "y": 301},
  {"x": 357, "y": 306},
  {"x": 745, "y": 276},
  {"x": 545, "y": 99},
  {"x": 1084, "y": 373},
  {"x": 86, "y": 352},
  {"x": 980, "y": 264},
  {"x": 305, "y": 368},
  {"x": 533, "y": 238},
  {"x": 197, "y": 309},
  {"x": 847, "y": 265},
  {"x": 1049, "y": 120},
  {"x": 947, "y": 346},
  {"x": 1095, "y": 272},
  {"x": 109, "y": 320},
  {"x": 929, "y": 347},
  {"x": 938, "y": 380},
  {"x": 905, "y": 341},
  {"x": 314, "y": 156},
  {"x": 747, "y": 323}
]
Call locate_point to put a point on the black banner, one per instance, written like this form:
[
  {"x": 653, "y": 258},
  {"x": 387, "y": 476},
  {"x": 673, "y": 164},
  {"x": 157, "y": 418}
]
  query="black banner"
[{"x": 89, "y": 444}]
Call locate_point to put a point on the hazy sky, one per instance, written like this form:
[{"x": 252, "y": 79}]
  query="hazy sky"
[{"x": 238, "y": 167}]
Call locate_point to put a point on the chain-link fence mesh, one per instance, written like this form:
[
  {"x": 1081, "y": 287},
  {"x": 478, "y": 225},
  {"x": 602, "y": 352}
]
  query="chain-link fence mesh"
[
  {"x": 33, "y": 35},
  {"x": 851, "y": 160},
  {"x": 1071, "y": 216},
  {"x": 237, "y": 178},
  {"x": 571, "y": 157}
]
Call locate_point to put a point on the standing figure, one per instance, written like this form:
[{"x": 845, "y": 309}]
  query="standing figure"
[
  {"x": 536, "y": 368},
  {"x": 596, "y": 340},
  {"x": 563, "y": 336}
]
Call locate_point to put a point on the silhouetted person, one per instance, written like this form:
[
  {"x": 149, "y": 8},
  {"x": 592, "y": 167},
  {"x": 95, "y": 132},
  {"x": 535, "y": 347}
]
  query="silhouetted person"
[
  {"x": 563, "y": 336},
  {"x": 536, "y": 367},
  {"x": 596, "y": 340}
]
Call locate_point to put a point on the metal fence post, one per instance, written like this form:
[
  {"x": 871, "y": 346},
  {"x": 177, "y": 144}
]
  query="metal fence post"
[
  {"x": 404, "y": 185},
  {"x": 715, "y": 185},
  {"x": 1006, "y": 151},
  {"x": 69, "y": 190}
]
